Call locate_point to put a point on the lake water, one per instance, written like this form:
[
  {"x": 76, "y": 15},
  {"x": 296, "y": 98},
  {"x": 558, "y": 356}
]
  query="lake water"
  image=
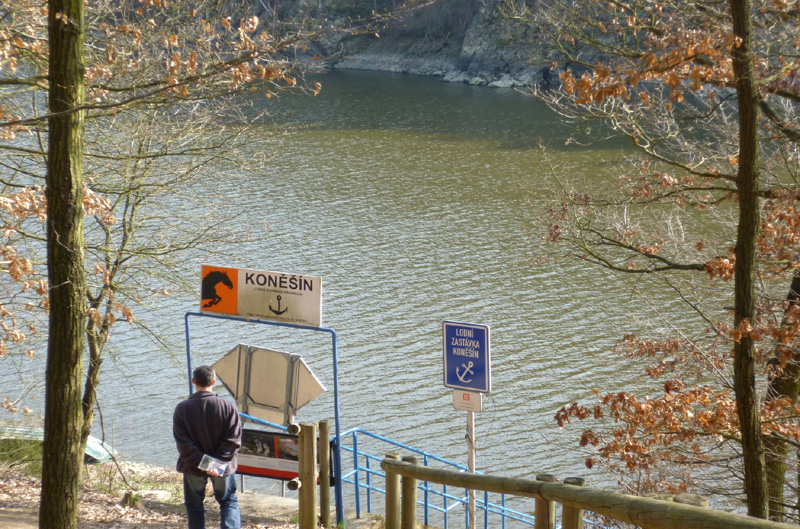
[{"x": 416, "y": 202}]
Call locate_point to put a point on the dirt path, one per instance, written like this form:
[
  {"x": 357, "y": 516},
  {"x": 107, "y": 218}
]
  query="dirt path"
[
  {"x": 258, "y": 512},
  {"x": 19, "y": 509}
]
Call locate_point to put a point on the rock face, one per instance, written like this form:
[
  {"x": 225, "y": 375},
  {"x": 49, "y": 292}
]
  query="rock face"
[
  {"x": 470, "y": 41},
  {"x": 497, "y": 51}
]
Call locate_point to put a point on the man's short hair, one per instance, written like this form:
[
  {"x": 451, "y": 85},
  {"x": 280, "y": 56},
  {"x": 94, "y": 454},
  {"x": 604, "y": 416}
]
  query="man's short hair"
[{"x": 204, "y": 376}]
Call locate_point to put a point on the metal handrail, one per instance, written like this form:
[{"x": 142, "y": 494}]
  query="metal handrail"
[
  {"x": 367, "y": 472},
  {"x": 354, "y": 477}
]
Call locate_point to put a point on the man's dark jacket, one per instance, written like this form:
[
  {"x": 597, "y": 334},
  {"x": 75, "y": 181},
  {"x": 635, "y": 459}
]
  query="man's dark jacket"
[{"x": 205, "y": 423}]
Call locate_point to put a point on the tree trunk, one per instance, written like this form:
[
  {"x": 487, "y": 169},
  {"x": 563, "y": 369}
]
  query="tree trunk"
[
  {"x": 784, "y": 382},
  {"x": 744, "y": 381},
  {"x": 62, "y": 458},
  {"x": 95, "y": 342}
]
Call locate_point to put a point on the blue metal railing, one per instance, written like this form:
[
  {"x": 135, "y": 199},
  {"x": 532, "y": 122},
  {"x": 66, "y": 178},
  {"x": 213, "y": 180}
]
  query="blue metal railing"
[
  {"x": 263, "y": 422},
  {"x": 433, "y": 500},
  {"x": 366, "y": 467}
]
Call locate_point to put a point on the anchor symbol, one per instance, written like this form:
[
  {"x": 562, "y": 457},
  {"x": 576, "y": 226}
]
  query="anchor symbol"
[
  {"x": 279, "y": 311},
  {"x": 467, "y": 370}
]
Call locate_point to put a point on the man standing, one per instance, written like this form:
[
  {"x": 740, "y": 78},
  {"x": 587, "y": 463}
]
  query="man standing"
[{"x": 206, "y": 424}]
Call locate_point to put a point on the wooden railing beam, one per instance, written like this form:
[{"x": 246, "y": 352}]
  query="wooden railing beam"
[
  {"x": 408, "y": 518},
  {"x": 644, "y": 512},
  {"x": 572, "y": 518},
  {"x": 307, "y": 499},
  {"x": 392, "y": 518},
  {"x": 324, "y": 451},
  {"x": 545, "y": 510}
]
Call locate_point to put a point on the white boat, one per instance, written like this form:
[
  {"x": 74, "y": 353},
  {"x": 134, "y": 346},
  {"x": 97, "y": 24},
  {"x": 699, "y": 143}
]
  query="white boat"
[{"x": 96, "y": 450}]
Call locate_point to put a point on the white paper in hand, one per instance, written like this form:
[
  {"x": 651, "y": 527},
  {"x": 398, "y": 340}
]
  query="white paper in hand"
[{"x": 209, "y": 464}]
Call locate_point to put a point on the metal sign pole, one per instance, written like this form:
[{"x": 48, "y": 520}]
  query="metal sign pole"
[
  {"x": 337, "y": 455},
  {"x": 471, "y": 463},
  {"x": 467, "y": 370}
]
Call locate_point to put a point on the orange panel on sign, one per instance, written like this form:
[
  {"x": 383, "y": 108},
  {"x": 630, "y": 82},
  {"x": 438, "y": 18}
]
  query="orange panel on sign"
[{"x": 220, "y": 290}]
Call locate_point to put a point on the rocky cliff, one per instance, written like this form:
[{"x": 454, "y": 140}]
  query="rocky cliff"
[{"x": 471, "y": 41}]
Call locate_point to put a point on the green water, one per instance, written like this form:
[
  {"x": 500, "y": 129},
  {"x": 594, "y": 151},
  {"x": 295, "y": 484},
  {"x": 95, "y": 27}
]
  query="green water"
[{"x": 416, "y": 201}]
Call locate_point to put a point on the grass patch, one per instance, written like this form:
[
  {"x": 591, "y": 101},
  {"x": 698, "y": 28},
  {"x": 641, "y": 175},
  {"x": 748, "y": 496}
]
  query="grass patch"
[
  {"x": 108, "y": 479},
  {"x": 23, "y": 455}
]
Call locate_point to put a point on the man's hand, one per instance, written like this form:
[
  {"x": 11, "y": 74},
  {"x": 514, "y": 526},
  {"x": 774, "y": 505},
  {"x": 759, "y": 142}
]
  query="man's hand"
[{"x": 213, "y": 473}]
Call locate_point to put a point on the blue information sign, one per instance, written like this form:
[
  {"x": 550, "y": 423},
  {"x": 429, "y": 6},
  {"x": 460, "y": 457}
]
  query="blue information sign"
[{"x": 466, "y": 357}]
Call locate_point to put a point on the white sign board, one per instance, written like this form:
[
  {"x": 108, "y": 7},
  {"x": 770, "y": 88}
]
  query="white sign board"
[
  {"x": 467, "y": 400},
  {"x": 259, "y": 295},
  {"x": 267, "y": 384}
]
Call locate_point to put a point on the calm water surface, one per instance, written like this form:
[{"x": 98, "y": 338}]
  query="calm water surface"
[{"x": 415, "y": 201}]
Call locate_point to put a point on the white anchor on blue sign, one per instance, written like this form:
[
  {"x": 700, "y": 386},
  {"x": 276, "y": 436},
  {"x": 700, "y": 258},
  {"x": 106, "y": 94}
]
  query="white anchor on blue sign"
[
  {"x": 467, "y": 370},
  {"x": 470, "y": 340}
]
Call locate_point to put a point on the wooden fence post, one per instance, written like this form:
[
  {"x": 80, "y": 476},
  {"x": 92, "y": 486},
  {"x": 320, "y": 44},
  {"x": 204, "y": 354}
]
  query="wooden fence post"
[
  {"x": 571, "y": 517},
  {"x": 408, "y": 519},
  {"x": 392, "y": 519},
  {"x": 308, "y": 475},
  {"x": 545, "y": 510},
  {"x": 324, "y": 449}
]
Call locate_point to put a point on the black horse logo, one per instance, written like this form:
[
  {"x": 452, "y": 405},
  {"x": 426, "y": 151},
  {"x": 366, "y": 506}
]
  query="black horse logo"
[{"x": 209, "y": 287}]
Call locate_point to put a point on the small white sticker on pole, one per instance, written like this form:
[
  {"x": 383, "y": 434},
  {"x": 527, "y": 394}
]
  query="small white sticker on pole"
[{"x": 467, "y": 400}]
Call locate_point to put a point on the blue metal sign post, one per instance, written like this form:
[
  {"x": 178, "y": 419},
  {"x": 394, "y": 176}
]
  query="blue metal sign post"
[
  {"x": 337, "y": 454},
  {"x": 466, "y": 357},
  {"x": 467, "y": 367}
]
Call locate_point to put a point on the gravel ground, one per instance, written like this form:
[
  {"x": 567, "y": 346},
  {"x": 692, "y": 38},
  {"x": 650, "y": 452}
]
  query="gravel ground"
[{"x": 159, "y": 508}]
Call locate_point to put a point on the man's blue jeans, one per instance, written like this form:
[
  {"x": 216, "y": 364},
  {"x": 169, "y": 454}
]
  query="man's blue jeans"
[{"x": 194, "y": 492}]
